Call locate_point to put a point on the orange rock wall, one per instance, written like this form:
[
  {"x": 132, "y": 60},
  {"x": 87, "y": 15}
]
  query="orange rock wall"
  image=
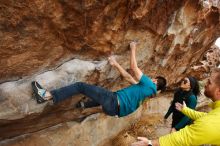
[
  {"x": 38, "y": 35},
  {"x": 58, "y": 42}
]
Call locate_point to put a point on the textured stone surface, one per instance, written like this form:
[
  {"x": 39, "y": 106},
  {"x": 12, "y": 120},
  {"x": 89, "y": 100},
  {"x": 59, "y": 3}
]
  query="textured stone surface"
[
  {"x": 19, "y": 111},
  {"x": 210, "y": 60},
  {"x": 38, "y": 35},
  {"x": 93, "y": 131},
  {"x": 57, "y": 42}
]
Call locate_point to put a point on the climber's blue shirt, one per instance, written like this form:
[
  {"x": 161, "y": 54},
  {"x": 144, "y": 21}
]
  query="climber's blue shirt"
[{"x": 131, "y": 97}]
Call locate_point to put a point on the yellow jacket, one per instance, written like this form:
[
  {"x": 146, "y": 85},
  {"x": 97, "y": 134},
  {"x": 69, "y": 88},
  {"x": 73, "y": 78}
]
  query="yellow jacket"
[{"x": 204, "y": 130}]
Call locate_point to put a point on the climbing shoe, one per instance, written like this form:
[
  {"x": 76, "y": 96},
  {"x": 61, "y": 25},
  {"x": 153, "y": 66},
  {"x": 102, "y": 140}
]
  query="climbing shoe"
[
  {"x": 38, "y": 92},
  {"x": 80, "y": 105}
]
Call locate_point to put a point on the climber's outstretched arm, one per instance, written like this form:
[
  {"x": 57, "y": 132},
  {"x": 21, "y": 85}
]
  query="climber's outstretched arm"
[
  {"x": 122, "y": 71},
  {"x": 133, "y": 63}
]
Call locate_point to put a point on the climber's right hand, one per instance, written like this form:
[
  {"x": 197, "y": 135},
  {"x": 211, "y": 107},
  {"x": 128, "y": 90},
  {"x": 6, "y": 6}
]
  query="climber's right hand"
[{"x": 112, "y": 60}]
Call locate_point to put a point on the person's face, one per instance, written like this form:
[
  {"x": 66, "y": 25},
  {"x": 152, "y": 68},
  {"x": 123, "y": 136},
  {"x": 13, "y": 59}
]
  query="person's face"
[
  {"x": 185, "y": 84},
  {"x": 212, "y": 91},
  {"x": 154, "y": 80}
]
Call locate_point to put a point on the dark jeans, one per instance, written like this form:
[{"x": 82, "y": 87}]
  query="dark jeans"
[{"x": 98, "y": 95}]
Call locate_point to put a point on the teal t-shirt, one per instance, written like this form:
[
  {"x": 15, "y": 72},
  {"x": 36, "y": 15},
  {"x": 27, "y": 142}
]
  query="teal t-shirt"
[{"x": 131, "y": 97}]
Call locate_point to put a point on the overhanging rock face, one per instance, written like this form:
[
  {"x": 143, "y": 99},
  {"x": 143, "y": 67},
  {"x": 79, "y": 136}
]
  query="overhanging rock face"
[
  {"x": 38, "y": 35},
  {"x": 59, "y": 42}
]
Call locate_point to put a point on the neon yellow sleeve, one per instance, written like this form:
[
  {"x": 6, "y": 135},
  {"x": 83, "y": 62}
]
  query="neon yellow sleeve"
[
  {"x": 204, "y": 130},
  {"x": 192, "y": 114},
  {"x": 189, "y": 136}
]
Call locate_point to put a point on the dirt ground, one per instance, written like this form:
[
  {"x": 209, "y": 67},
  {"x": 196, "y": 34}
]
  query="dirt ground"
[{"x": 151, "y": 126}]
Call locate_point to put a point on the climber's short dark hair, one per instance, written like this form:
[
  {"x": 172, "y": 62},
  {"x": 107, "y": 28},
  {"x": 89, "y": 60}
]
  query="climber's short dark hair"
[{"x": 161, "y": 83}]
